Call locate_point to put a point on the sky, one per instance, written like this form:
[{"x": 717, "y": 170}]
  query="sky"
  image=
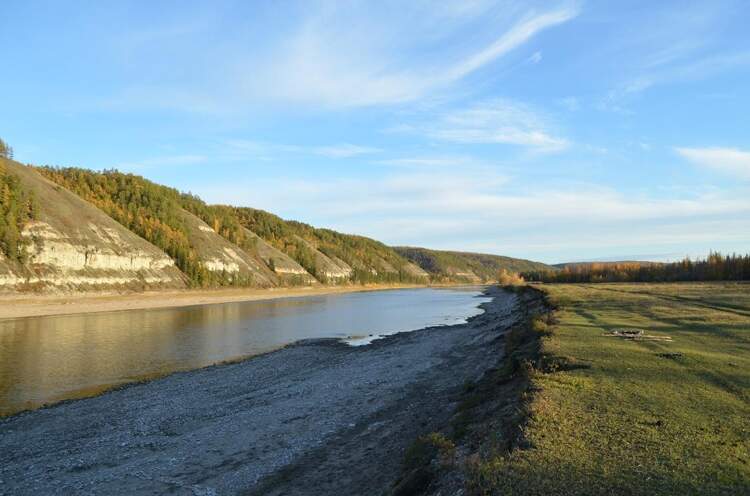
[{"x": 553, "y": 131}]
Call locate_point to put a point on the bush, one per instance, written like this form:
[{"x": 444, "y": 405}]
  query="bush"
[{"x": 506, "y": 278}]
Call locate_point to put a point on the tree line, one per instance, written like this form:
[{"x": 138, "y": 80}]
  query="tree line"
[
  {"x": 152, "y": 211},
  {"x": 17, "y": 207},
  {"x": 715, "y": 267},
  {"x": 5, "y": 150},
  {"x": 367, "y": 257}
]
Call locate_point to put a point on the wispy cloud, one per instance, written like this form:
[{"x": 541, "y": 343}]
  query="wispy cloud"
[
  {"x": 330, "y": 55},
  {"x": 520, "y": 33},
  {"x": 325, "y": 63},
  {"x": 673, "y": 45},
  {"x": 432, "y": 161},
  {"x": 571, "y": 103},
  {"x": 486, "y": 210},
  {"x": 165, "y": 161},
  {"x": 344, "y": 150},
  {"x": 730, "y": 161},
  {"x": 535, "y": 58},
  {"x": 243, "y": 149},
  {"x": 681, "y": 72},
  {"x": 497, "y": 121}
]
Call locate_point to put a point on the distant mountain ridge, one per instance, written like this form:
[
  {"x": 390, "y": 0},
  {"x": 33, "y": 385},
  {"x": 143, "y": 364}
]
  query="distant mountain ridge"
[
  {"x": 452, "y": 266},
  {"x": 75, "y": 229},
  {"x": 572, "y": 265}
]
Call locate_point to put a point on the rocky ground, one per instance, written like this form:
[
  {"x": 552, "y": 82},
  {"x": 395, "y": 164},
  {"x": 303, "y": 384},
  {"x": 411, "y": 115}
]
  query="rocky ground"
[{"x": 318, "y": 417}]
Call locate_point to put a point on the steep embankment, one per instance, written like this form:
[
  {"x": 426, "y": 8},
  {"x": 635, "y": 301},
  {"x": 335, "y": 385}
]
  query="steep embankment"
[
  {"x": 222, "y": 257},
  {"x": 210, "y": 255},
  {"x": 141, "y": 234},
  {"x": 331, "y": 256},
  {"x": 285, "y": 267},
  {"x": 67, "y": 243},
  {"x": 448, "y": 266}
]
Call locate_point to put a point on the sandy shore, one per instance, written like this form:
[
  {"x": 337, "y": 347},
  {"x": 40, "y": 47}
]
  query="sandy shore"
[
  {"x": 13, "y": 306},
  {"x": 315, "y": 418}
]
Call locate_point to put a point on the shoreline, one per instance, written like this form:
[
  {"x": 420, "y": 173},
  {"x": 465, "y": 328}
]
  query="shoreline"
[
  {"x": 16, "y": 306},
  {"x": 241, "y": 428}
]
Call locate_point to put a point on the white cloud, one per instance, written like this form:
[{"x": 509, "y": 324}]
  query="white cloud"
[
  {"x": 535, "y": 58},
  {"x": 671, "y": 46},
  {"x": 730, "y": 161},
  {"x": 520, "y": 33},
  {"x": 326, "y": 54},
  {"x": 166, "y": 161},
  {"x": 481, "y": 208},
  {"x": 680, "y": 72},
  {"x": 571, "y": 103},
  {"x": 344, "y": 150},
  {"x": 326, "y": 63},
  {"x": 240, "y": 149},
  {"x": 497, "y": 121},
  {"x": 432, "y": 161}
]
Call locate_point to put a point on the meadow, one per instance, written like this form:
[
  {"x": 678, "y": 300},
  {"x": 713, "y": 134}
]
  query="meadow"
[{"x": 636, "y": 416}]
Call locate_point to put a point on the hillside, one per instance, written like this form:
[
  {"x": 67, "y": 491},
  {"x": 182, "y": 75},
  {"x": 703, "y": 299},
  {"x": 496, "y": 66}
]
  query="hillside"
[
  {"x": 329, "y": 255},
  {"x": 583, "y": 265},
  {"x": 77, "y": 229},
  {"x": 447, "y": 266},
  {"x": 155, "y": 212},
  {"x": 57, "y": 240}
]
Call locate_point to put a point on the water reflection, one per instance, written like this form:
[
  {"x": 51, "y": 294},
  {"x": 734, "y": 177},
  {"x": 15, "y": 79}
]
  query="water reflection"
[{"x": 47, "y": 359}]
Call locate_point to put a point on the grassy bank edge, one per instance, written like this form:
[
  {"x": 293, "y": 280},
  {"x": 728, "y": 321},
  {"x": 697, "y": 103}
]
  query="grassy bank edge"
[
  {"x": 619, "y": 419},
  {"x": 491, "y": 413}
]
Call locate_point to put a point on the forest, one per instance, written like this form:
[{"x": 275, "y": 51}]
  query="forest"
[
  {"x": 715, "y": 267},
  {"x": 148, "y": 209},
  {"x": 153, "y": 212},
  {"x": 361, "y": 253},
  {"x": 17, "y": 207},
  {"x": 444, "y": 265},
  {"x": 5, "y": 150}
]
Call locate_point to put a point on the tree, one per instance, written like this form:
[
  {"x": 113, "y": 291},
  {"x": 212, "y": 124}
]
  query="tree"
[{"x": 5, "y": 150}]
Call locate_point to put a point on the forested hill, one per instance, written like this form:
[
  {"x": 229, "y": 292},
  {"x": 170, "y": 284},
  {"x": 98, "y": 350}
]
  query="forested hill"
[
  {"x": 466, "y": 267},
  {"x": 74, "y": 229}
]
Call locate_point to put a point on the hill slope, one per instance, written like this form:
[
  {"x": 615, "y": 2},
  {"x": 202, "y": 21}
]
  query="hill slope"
[
  {"x": 61, "y": 225},
  {"x": 329, "y": 255},
  {"x": 64, "y": 242},
  {"x": 204, "y": 253},
  {"x": 448, "y": 266}
]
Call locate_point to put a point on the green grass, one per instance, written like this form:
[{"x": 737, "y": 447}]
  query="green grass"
[{"x": 633, "y": 422}]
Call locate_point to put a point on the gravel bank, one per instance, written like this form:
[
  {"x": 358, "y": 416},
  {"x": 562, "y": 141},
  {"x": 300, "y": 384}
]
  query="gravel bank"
[{"x": 318, "y": 417}]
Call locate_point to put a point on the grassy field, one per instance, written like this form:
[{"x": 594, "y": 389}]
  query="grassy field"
[{"x": 636, "y": 417}]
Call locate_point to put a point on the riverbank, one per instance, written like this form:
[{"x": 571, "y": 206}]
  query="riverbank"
[
  {"x": 318, "y": 417},
  {"x": 639, "y": 389},
  {"x": 13, "y": 306}
]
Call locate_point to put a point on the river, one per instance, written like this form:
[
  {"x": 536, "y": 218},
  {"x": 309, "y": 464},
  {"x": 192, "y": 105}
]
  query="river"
[{"x": 44, "y": 360}]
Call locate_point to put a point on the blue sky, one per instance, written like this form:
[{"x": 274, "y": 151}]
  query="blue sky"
[{"x": 554, "y": 131}]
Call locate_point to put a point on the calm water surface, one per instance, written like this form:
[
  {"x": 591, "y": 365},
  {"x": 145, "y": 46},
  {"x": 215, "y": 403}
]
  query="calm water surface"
[{"x": 48, "y": 359}]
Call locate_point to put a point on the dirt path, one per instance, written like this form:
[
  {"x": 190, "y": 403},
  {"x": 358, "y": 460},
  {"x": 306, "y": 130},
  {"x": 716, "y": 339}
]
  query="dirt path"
[{"x": 314, "y": 418}]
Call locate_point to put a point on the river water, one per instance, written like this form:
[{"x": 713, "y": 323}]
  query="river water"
[{"x": 48, "y": 359}]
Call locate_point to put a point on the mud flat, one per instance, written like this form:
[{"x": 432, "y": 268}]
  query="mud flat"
[{"x": 317, "y": 417}]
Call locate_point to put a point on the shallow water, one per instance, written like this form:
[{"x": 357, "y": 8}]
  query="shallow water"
[{"x": 48, "y": 359}]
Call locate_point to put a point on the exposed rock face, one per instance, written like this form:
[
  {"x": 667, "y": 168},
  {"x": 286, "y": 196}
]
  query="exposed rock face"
[
  {"x": 221, "y": 256},
  {"x": 74, "y": 246},
  {"x": 332, "y": 268},
  {"x": 467, "y": 275},
  {"x": 281, "y": 263},
  {"x": 415, "y": 270},
  {"x": 52, "y": 248}
]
